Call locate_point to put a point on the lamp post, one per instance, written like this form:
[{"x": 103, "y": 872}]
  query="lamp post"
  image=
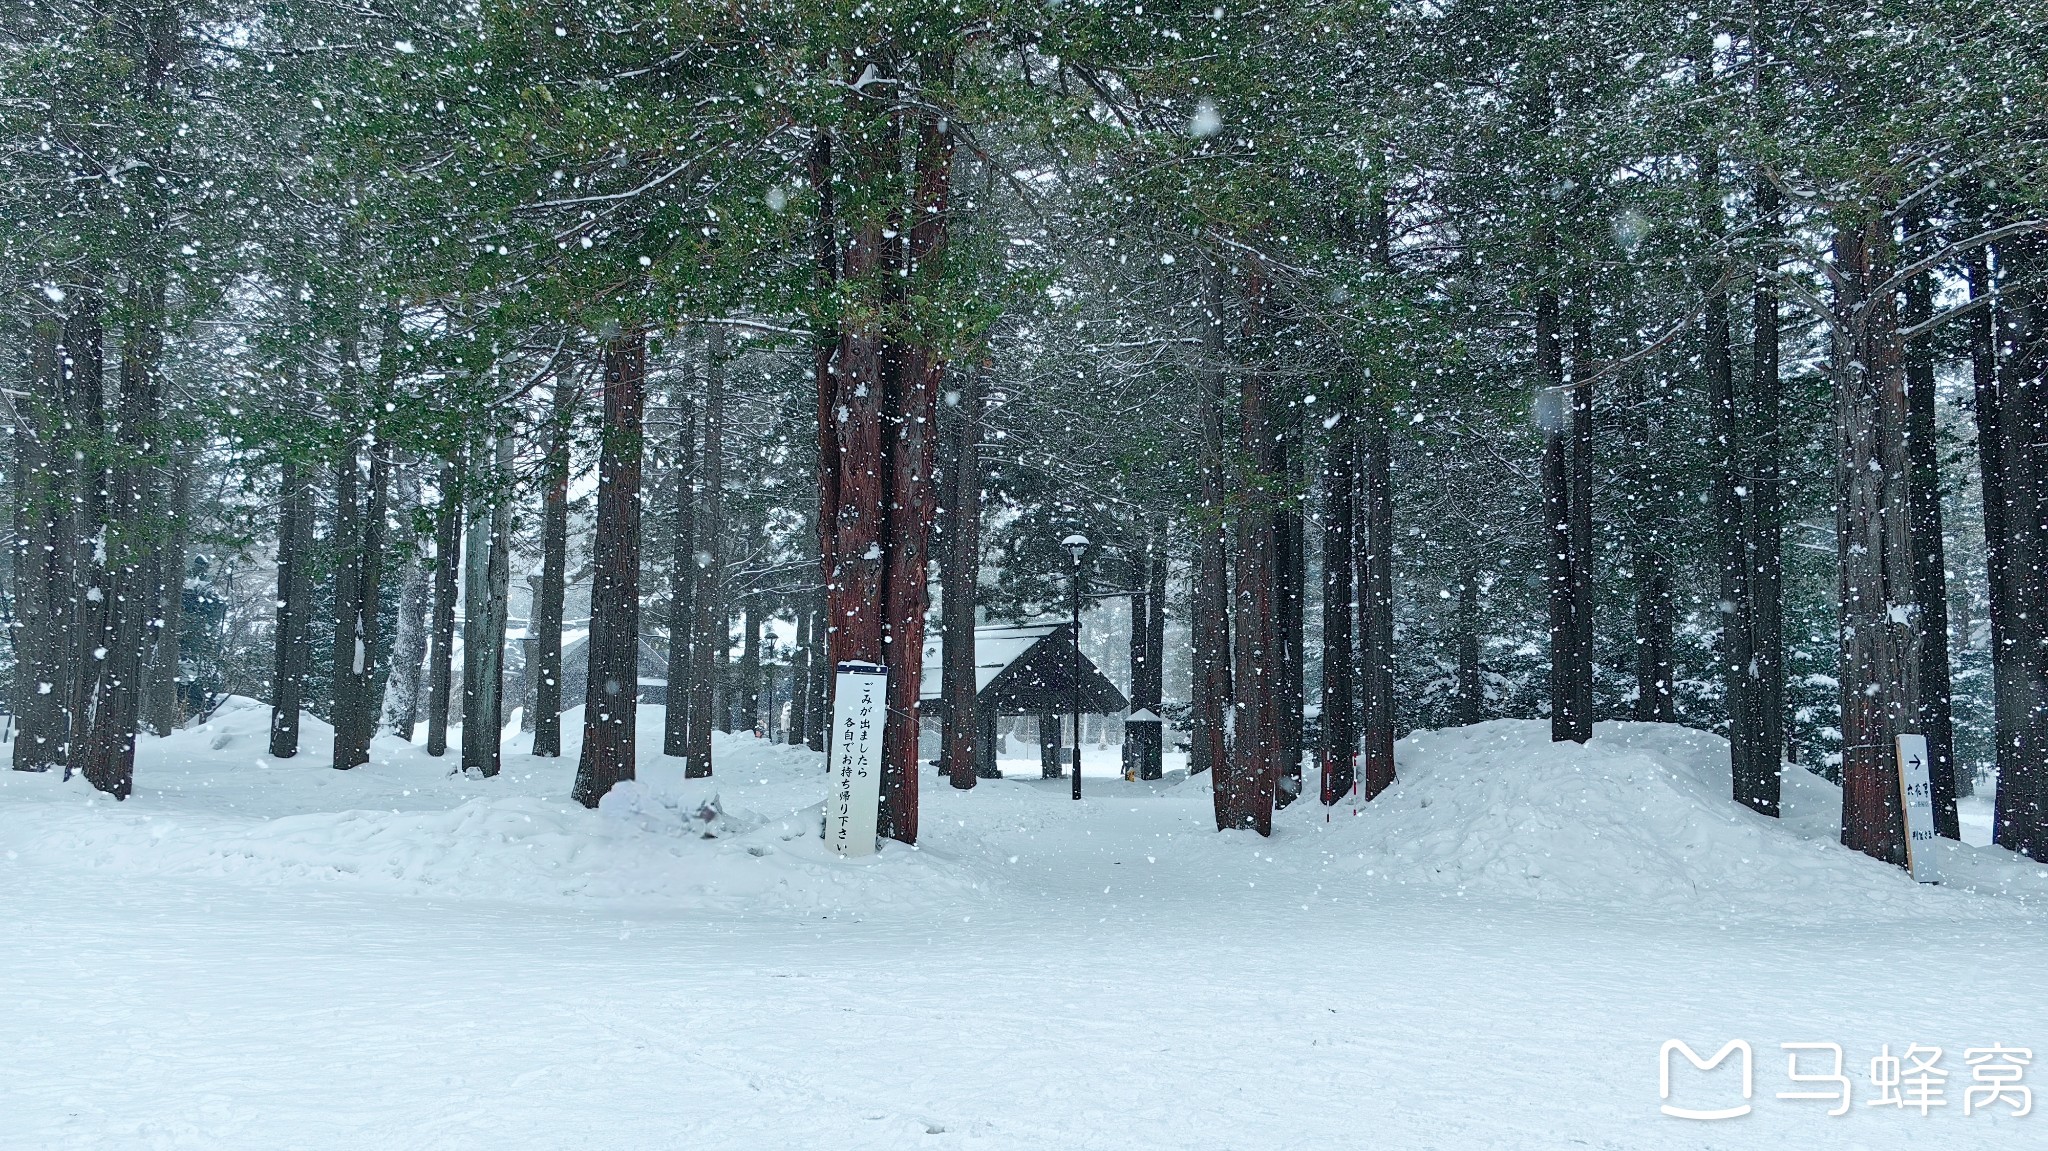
[{"x": 1077, "y": 546}]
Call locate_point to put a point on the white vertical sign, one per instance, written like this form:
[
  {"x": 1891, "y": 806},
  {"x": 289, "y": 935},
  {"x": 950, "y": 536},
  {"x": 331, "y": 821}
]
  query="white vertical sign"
[
  {"x": 860, "y": 706},
  {"x": 1916, "y": 797}
]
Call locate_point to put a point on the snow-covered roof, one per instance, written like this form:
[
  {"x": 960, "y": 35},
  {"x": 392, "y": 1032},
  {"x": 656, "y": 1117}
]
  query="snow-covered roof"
[
  {"x": 1026, "y": 665},
  {"x": 996, "y": 647}
]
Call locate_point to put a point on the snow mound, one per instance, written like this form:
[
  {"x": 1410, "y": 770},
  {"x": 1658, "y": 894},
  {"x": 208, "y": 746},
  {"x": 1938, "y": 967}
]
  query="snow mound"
[
  {"x": 1639, "y": 818},
  {"x": 239, "y": 724},
  {"x": 661, "y": 840}
]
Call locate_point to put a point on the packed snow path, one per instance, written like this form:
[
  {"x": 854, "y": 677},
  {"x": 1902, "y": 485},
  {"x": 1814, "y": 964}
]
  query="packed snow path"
[{"x": 256, "y": 954}]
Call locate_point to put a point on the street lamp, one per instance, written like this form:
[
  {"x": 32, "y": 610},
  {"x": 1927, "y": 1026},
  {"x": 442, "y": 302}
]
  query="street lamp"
[{"x": 1077, "y": 546}]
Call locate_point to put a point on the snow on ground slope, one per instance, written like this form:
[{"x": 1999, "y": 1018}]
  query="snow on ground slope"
[
  {"x": 405, "y": 824},
  {"x": 252, "y": 953},
  {"x": 1640, "y": 819}
]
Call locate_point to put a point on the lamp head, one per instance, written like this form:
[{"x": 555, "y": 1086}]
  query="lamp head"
[{"x": 1076, "y": 545}]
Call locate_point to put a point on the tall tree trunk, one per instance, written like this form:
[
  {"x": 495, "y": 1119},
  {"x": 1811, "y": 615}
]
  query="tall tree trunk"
[
  {"x": 1553, "y": 413},
  {"x": 1752, "y": 768},
  {"x": 554, "y": 576},
  {"x": 1984, "y": 370},
  {"x": 877, "y": 423},
  {"x": 111, "y": 703},
  {"x": 498, "y": 585},
  {"x": 1655, "y": 620},
  {"x": 293, "y": 655},
  {"x": 1471, "y": 690},
  {"x": 1930, "y": 560},
  {"x": 485, "y": 611},
  {"x": 409, "y": 639},
  {"x": 409, "y": 643},
  {"x": 165, "y": 699},
  {"x": 821, "y": 674},
  {"x": 1291, "y": 578},
  {"x": 343, "y": 537},
  {"x": 476, "y": 575},
  {"x": 1153, "y": 690},
  {"x": 1654, "y": 613},
  {"x": 1143, "y": 744},
  {"x": 820, "y": 171},
  {"x": 1210, "y": 625},
  {"x": 913, "y": 499},
  {"x": 1255, "y": 757},
  {"x": 800, "y": 701},
  {"x": 682, "y": 587},
  {"x": 708, "y": 638},
  {"x": 1582, "y": 586},
  {"x": 447, "y": 571},
  {"x": 360, "y": 560},
  {"x": 2020, "y": 812},
  {"x": 750, "y": 662},
  {"x": 959, "y": 574},
  {"x": 1377, "y": 605},
  {"x": 722, "y": 681},
  {"x": 1340, "y": 741},
  {"x": 1879, "y": 667},
  {"x": 42, "y": 555},
  {"x": 86, "y": 485},
  {"x": 1766, "y": 518},
  {"x": 610, "y": 704},
  {"x": 1049, "y": 762}
]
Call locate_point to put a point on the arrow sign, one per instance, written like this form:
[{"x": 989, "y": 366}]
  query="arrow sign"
[{"x": 1916, "y": 801}]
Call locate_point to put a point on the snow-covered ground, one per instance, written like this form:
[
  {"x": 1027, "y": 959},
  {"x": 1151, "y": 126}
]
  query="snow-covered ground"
[{"x": 257, "y": 954}]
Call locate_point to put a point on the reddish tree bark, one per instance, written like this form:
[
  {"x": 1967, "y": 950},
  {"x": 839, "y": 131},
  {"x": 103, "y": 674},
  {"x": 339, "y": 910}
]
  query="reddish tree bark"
[
  {"x": 1879, "y": 667},
  {"x": 884, "y": 374}
]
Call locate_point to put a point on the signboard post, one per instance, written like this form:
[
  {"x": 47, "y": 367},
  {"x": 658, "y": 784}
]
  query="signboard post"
[
  {"x": 859, "y": 709},
  {"x": 1916, "y": 800}
]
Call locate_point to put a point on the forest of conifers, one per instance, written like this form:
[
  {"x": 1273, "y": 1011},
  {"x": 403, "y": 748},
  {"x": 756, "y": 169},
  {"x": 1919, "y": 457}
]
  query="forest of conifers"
[{"x": 1406, "y": 364}]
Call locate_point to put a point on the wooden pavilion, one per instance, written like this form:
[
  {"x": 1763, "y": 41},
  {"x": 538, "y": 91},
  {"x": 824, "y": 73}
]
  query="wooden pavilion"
[{"x": 1021, "y": 669}]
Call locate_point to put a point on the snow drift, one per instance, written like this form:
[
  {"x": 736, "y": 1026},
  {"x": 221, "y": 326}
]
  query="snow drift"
[
  {"x": 1639, "y": 818},
  {"x": 201, "y": 795}
]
